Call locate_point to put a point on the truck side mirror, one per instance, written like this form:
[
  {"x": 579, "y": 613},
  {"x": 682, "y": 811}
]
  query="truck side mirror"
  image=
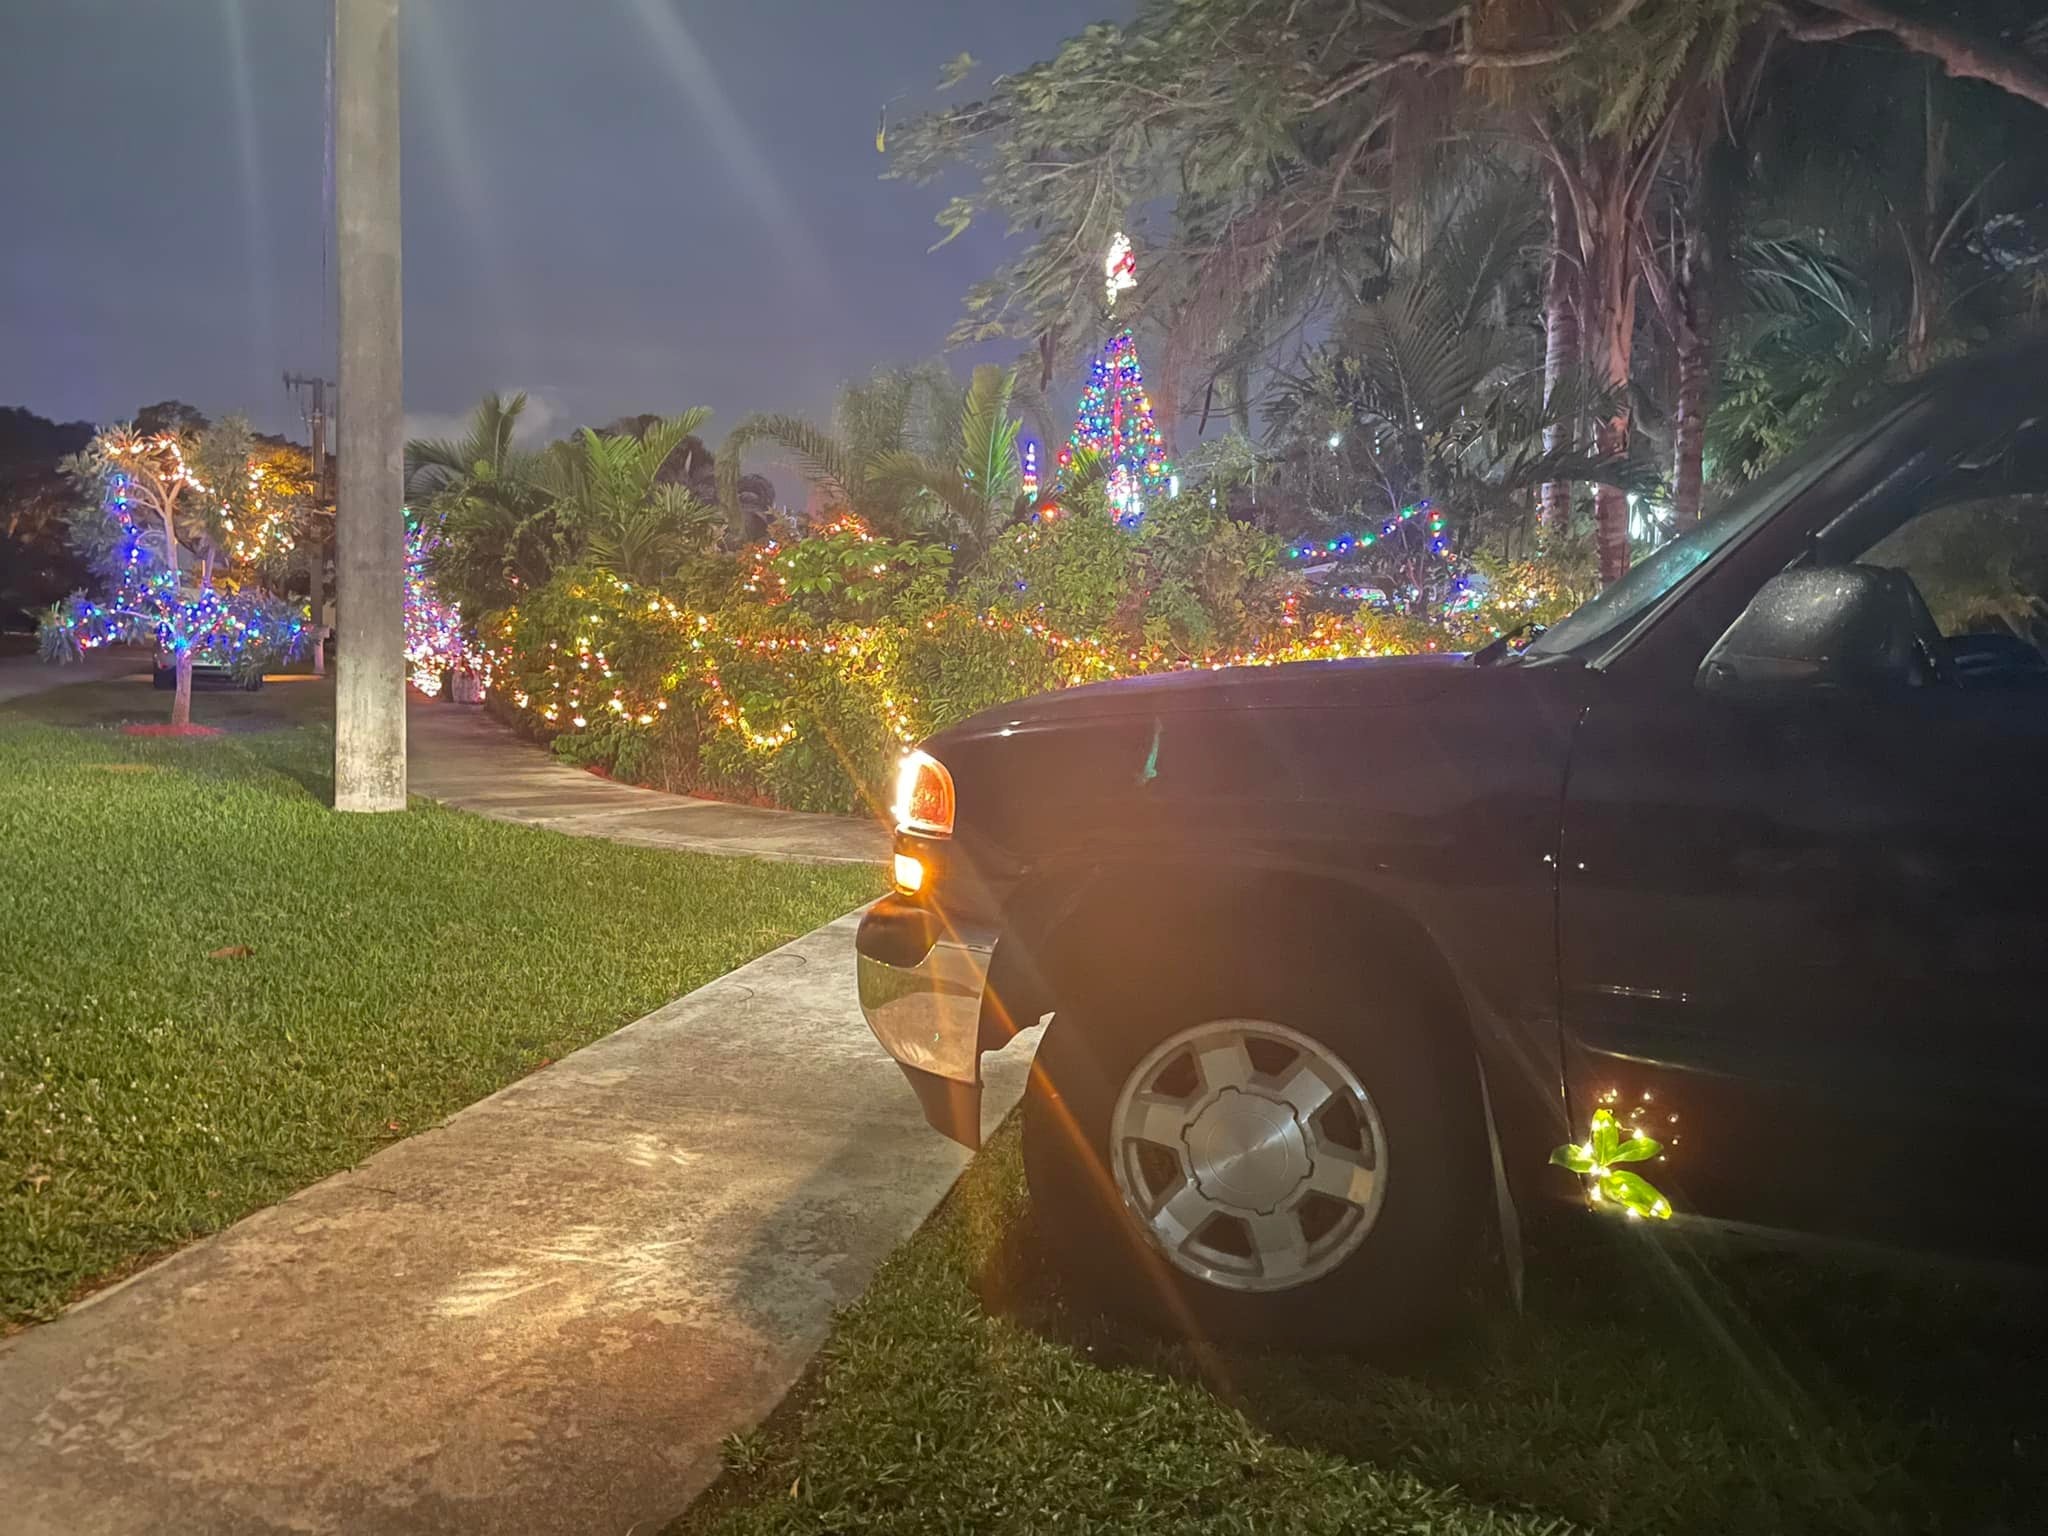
[{"x": 1855, "y": 630}]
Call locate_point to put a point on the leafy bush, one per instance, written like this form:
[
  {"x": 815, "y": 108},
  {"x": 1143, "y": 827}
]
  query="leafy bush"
[
  {"x": 796, "y": 675},
  {"x": 846, "y": 572},
  {"x": 1075, "y": 572},
  {"x": 1187, "y": 579}
]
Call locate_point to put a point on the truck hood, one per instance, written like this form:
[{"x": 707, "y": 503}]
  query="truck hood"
[{"x": 1368, "y": 682}]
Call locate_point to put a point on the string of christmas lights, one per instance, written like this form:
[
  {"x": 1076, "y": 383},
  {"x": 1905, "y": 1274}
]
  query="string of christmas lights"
[
  {"x": 582, "y": 683},
  {"x": 1344, "y": 544},
  {"x": 269, "y": 527},
  {"x": 768, "y": 560},
  {"x": 436, "y": 643},
  {"x": 1115, "y": 420},
  {"x": 151, "y": 602}
]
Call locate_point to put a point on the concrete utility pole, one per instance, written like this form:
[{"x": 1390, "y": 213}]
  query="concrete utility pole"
[
  {"x": 369, "y": 523},
  {"x": 311, "y": 393}
]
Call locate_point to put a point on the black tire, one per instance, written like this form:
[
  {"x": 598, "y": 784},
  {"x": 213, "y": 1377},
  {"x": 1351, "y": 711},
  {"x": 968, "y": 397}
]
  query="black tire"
[
  {"x": 163, "y": 679},
  {"x": 1405, "y": 1279}
]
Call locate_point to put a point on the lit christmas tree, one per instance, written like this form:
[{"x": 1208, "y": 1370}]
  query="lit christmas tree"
[
  {"x": 436, "y": 645},
  {"x": 1115, "y": 416}
]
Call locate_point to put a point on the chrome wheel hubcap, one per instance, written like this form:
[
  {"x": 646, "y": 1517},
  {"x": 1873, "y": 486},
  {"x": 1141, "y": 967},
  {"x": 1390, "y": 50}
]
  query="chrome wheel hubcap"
[{"x": 1249, "y": 1154}]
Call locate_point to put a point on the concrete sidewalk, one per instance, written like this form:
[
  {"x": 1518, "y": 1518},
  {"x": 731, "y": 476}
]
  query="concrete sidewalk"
[
  {"x": 542, "y": 1316},
  {"x": 460, "y": 756}
]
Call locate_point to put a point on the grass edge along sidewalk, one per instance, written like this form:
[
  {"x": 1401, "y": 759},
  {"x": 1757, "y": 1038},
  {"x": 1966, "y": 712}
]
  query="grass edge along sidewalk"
[
  {"x": 218, "y": 991},
  {"x": 1647, "y": 1390}
]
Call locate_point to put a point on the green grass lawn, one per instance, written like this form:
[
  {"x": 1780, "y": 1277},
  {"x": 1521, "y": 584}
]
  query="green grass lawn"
[
  {"x": 398, "y": 967},
  {"x": 1646, "y": 1391}
]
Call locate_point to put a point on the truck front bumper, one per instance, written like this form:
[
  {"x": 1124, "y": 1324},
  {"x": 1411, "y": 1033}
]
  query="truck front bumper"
[{"x": 921, "y": 986}]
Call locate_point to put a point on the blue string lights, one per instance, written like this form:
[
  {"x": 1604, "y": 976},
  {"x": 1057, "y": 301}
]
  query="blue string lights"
[
  {"x": 1349, "y": 543},
  {"x": 437, "y": 646},
  {"x": 1404, "y": 582},
  {"x": 152, "y": 600}
]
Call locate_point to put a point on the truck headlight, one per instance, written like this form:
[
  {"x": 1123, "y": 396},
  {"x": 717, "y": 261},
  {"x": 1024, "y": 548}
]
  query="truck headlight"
[{"x": 924, "y": 796}]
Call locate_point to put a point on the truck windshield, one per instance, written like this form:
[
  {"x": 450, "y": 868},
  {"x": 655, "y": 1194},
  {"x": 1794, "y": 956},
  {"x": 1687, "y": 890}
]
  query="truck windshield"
[
  {"x": 1606, "y": 613},
  {"x": 1606, "y": 617}
]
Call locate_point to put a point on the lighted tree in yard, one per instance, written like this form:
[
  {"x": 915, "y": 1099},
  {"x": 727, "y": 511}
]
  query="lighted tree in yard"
[
  {"x": 177, "y": 530},
  {"x": 1115, "y": 417},
  {"x": 437, "y": 646}
]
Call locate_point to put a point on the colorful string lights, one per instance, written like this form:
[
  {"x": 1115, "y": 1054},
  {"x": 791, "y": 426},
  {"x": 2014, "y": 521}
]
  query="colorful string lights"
[
  {"x": 267, "y": 529},
  {"x": 1115, "y": 420},
  {"x": 1348, "y": 543},
  {"x": 436, "y": 644},
  {"x": 152, "y": 600},
  {"x": 582, "y": 683}
]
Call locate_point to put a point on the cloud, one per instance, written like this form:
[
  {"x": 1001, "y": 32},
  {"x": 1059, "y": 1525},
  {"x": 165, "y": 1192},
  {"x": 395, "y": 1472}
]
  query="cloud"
[{"x": 542, "y": 419}]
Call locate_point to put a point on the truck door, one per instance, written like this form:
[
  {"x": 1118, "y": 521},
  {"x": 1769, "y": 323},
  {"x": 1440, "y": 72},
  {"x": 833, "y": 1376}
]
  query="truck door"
[{"x": 1805, "y": 942}]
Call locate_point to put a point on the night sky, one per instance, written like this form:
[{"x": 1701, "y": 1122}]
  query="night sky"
[{"x": 615, "y": 205}]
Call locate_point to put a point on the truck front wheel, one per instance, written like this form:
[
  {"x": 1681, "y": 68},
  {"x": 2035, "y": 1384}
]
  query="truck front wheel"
[{"x": 1263, "y": 1154}]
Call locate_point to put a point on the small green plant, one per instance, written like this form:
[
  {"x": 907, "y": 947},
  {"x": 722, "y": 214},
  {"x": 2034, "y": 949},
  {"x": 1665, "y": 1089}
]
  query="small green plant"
[
  {"x": 1596, "y": 1158},
  {"x": 848, "y": 573},
  {"x": 745, "y": 1452}
]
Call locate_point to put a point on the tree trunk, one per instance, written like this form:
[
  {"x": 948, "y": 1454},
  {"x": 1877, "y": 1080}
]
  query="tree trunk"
[
  {"x": 1923, "y": 243},
  {"x": 1689, "y": 429},
  {"x": 1608, "y": 320},
  {"x": 181, "y": 701},
  {"x": 1713, "y": 167},
  {"x": 1695, "y": 372},
  {"x": 1961, "y": 54},
  {"x": 1924, "y": 302},
  {"x": 1561, "y": 347}
]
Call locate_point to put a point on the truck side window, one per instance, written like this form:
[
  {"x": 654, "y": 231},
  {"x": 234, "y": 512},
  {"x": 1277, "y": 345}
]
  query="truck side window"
[{"x": 1981, "y": 564}]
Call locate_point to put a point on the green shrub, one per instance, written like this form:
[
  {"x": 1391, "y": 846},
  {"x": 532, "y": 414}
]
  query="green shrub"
[{"x": 797, "y": 676}]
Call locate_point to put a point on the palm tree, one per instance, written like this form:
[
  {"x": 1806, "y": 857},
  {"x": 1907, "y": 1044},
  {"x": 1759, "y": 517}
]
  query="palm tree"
[
  {"x": 916, "y": 453},
  {"x": 1436, "y": 390},
  {"x": 508, "y": 518},
  {"x": 434, "y": 466},
  {"x": 894, "y": 410},
  {"x": 499, "y": 534},
  {"x": 977, "y": 491},
  {"x": 617, "y": 514}
]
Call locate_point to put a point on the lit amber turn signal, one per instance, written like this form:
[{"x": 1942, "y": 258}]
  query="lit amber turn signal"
[{"x": 909, "y": 873}]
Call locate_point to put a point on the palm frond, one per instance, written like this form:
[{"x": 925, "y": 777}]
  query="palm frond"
[
  {"x": 820, "y": 458},
  {"x": 1411, "y": 360},
  {"x": 1081, "y": 485},
  {"x": 874, "y": 415},
  {"x": 1482, "y": 242},
  {"x": 660, "y": 441},
  {"x": 1028, "y": 398},
  {"x": 1796, "y": 278},
  {"x": 938, "y": 404},
  {"x": 433, "y": 465},
  {"x": 988, "y": 436},
  {"x": 903, "y": 473}
]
